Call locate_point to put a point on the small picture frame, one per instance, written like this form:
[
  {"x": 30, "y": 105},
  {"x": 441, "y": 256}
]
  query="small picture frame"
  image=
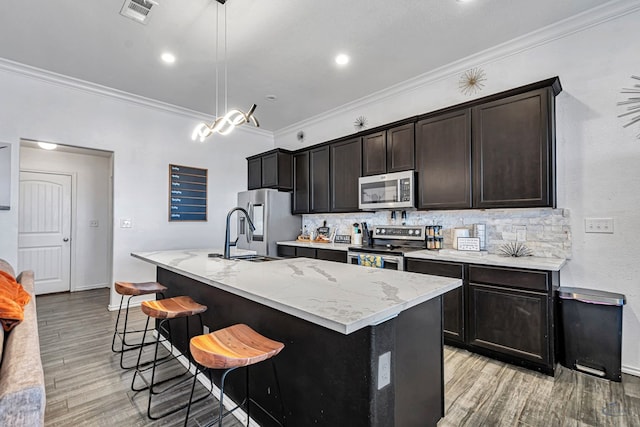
[
  {"x": 469, "y": 244},
  {"x": 342, "y": 238}
]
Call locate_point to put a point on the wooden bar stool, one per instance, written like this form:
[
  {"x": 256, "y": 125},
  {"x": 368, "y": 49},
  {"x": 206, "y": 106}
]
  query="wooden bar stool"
[
  {"x": 164, "y": 310},
  {"x": 130, "y": 290},
  {"x": 229, "y": 349}
]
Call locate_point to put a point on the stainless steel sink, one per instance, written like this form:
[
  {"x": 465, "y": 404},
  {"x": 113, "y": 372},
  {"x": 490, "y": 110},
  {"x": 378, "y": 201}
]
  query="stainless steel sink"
[{"x": 250, "y": 258}]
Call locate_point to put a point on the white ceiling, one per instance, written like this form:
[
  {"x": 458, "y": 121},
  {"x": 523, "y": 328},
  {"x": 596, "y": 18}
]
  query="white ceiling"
[{"x": 275, "y": 47}]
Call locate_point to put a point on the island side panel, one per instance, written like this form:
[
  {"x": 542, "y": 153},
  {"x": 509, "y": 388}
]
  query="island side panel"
[
  {"x": 419, "y": 384},
  {"x": 325, "y": 376}
]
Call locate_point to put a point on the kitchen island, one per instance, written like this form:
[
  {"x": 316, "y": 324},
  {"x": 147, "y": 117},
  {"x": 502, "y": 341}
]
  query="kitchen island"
[{"x": 363, "y": 346}]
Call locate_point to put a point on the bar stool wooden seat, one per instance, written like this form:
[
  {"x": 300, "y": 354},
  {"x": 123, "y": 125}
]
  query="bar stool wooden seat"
[
  {"x": 231, "y": 348},
  {"x": 164, "y": 310},
  {"x": 130, "y": 290}
]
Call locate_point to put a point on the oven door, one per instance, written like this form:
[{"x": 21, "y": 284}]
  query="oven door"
[{"x": 391, "y": 262}]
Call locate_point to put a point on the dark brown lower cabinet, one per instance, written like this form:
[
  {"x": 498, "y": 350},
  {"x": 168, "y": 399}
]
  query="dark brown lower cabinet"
[
  {"x": 453, "y": 302},
  {"x": 285, "y": 251},
  {"x": 508, "y": 321},
  {"x": 504, "y": 313}
]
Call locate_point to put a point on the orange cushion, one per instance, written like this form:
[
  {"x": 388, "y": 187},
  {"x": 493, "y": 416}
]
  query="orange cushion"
[{"x": 13, "y": 298}]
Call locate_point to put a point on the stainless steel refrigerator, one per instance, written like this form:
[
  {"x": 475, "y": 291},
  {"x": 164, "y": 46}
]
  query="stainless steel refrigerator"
[{"x": 270, "y": 212}]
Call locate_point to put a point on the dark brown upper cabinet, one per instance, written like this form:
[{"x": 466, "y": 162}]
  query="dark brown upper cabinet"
[
  {"x": 443, "y": 161},
  {"x": 346, "y": 167},
  {"x": 390, "y": 150},
  {"x": 272, "y": 169},
  {"x": 319, "y": 179},
  {"x": 513, "y": 151},
  {"x": 300, "y": 199}
]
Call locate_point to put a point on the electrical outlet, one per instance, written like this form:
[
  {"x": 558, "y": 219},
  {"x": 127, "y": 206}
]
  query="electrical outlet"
[
  {"x": 125, "y": 223},
  {"x": 93, "y": 223},
  {"x": 521, "y": 234},
  {"x": 384, "y": 370},
  {"x": 598, "y": 225}
]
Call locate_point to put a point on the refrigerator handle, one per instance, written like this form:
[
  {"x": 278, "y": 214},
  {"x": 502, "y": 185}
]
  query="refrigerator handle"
[{"x": 249, "y": 232}]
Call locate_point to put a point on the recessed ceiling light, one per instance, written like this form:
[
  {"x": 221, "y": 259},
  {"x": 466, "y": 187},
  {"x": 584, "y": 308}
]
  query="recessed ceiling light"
[
  {"x": 271, "y": 98},
  {"x": 168, "y": 58},
  {"x": 342, "y": 59},
  {"x": 464, "y": 1},
  {"x": 47, "y": 145}
]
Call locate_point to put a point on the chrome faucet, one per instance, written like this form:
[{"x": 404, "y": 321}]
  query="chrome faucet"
[{"x": 227, "y": 237}]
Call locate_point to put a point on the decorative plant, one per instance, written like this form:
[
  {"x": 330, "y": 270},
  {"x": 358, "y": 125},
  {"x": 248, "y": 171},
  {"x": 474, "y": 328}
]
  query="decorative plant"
[{"x": 515, "y": 249}]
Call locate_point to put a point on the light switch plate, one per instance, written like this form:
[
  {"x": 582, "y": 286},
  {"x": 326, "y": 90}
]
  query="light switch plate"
[
  {"x": 598, "y": 225},
  {"x": 125, "y": 223},
  {"x": 93, "y": 223}
]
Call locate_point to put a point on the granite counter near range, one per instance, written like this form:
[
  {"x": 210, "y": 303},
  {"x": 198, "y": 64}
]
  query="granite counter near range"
[
  {"x": 363, "y": 346},
  {"x": 527, "y": 262}
]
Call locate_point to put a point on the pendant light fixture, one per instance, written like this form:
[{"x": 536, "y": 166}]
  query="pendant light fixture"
[{"x": 234, "y": 117}]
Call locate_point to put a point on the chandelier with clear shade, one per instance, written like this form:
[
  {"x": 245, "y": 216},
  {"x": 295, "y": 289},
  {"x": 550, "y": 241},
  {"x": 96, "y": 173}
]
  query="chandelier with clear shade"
[{"x": 234, "y": 117}]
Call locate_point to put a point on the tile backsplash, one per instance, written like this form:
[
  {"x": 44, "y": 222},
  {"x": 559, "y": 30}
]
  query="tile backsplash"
[{"x": 546, "y": 231}]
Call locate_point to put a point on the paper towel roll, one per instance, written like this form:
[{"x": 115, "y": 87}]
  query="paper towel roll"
[{"x": 459, "y": 232}]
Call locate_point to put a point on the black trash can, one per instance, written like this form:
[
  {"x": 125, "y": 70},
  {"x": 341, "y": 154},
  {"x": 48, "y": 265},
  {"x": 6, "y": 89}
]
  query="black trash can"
[{"x": 591, "y": 333}]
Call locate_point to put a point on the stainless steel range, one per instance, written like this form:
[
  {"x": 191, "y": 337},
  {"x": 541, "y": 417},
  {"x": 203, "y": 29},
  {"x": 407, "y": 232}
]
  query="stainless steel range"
[{"x": 388, "y": 245}]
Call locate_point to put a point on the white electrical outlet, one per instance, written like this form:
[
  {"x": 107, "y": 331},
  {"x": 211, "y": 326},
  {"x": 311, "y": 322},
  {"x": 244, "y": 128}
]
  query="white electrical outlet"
[
  {"x": 126, "y": 223},
  {"x": 521, "y": 234},
  {"x": 93, "y": 223},
  {"x": 384, "y": 370},
  {"x": 598, "y": 225}
]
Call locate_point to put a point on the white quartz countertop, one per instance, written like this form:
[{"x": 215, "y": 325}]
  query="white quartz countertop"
[
  {"x": 530, "y": 262},
  {"x": 332, "y": 246},
  {"x": 341, "y": 297}
]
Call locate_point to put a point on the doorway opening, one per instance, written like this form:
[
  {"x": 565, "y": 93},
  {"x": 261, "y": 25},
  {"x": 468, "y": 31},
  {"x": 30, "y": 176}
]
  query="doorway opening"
[{"x": 65, "y": 231}]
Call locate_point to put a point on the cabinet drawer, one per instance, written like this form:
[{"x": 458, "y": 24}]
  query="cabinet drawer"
[
  {"x": 523, "y": 279},
  {"x": 286, "y": 251},
  {"x": 331, "y": 255},
  {"x": 436, "y": 268},
  {"x": 306, "y": 252}
]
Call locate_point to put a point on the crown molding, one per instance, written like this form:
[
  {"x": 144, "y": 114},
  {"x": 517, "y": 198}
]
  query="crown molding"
[
  {"x": 561, "y": 29},
  {"x": 96, "y": 89}
]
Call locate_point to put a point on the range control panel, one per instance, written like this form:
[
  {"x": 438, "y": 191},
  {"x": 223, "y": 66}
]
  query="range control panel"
[{"x": 403, "y": 232}]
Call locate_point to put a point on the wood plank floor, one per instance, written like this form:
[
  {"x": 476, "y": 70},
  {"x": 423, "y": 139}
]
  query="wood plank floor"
[{"x": 86, "y": 387}]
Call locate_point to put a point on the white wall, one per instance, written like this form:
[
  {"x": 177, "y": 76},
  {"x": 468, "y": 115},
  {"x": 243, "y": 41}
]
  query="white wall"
[
  {"x": 145, "y": 140},
  {"x": 597, "y": 160},
  {"x": 91, "y": 185}
]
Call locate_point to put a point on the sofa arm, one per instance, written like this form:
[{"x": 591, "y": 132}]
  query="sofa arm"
[{"x": 22, "y": 390}]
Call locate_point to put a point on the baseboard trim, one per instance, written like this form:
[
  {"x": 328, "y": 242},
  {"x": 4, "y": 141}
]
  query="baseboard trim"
[
  {"x": 631, "y": 370},
  {"x": 229, "y": 404}
]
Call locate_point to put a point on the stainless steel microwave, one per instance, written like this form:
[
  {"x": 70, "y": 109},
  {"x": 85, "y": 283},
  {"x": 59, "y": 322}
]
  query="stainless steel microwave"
[{"x": 389, "y": 191}]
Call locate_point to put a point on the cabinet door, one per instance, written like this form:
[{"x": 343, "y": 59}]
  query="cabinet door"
[
  {"x": 286, "y": 251},
  {"x": 254, "y": 167},
  {"x": 443, "y": 161},
  {"x": 400, "y": 148},
  {"x": 453, "y": 304},
  {"x": 509, "y": 321},
  {"x": 346, "y": 166},
  {"x": 331, "y": 255},
  {"x": 319, "y": 179},
  {"x": 270, "y": 170},
  {"x": 300, "y": 199},
  {"x": 374, "y": 154},
  {"x": 513, "y": 151},
  {"x": 305, "y": 252}
]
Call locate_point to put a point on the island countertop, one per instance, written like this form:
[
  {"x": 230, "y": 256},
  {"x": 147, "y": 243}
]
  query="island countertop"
[{"x": 341, "y": 297}]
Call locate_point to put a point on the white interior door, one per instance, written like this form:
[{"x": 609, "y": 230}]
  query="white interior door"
[{"x": 44, "y": 231}]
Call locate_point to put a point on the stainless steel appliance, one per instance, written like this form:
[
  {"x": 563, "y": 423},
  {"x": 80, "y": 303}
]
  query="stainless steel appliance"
[
  {"x": 390, "y": 242},
  {"x": 270, "y": 213},
  {"x": 389, "y": 191}
]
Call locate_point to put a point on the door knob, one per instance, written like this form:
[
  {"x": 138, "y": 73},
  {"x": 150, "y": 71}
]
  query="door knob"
[{"x": 66, "y": 239}]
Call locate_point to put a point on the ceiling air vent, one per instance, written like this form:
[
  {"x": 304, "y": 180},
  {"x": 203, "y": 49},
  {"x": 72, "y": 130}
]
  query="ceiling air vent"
[{"x": 138, "y": 10}]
